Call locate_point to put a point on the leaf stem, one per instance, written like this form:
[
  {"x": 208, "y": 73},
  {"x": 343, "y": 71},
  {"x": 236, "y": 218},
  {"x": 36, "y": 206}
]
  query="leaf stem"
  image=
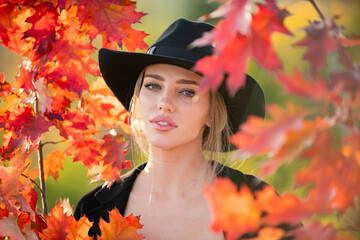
[{"x": 317, "y": 9}]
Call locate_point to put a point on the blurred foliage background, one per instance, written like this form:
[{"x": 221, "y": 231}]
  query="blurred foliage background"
[{"x": 73, "y": 181}]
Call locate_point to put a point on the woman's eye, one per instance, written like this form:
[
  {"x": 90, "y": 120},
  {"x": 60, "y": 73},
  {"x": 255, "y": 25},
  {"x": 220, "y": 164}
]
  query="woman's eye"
[
  {"x": 188, "y": 93},
  {"x": 152, "y": 86}
]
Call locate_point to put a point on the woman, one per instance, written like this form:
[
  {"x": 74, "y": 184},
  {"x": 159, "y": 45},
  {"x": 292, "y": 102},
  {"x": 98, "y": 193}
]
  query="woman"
[{"x": 180, "y": 128}]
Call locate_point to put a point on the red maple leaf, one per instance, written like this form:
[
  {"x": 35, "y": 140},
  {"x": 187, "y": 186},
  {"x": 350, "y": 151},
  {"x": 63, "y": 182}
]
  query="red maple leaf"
[
  {"x": 114, "y": 20},
  {"x": 4, "y": 86},
  {"x": 44, "y": 22},
  {"x": 304, "y": 87},
  {"x": 321, "y": 39},
  {"x": 237, "y": 38},
  {"x": 13, "y": 26},
  {"x": 25, "y": 77},
  {"x": 112, "y": 159},
  {"x": 120, "y": 228},
  {"x": 336, "y": 176},
  {"x": 71, "y": 58}
]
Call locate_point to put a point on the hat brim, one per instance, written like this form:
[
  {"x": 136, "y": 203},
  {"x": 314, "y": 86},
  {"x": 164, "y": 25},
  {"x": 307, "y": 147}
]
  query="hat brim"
[{"x": 122, "y": 69}]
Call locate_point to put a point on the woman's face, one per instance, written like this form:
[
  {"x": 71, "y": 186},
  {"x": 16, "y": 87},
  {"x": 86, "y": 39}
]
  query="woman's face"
[{"x": 173, "y": 112}]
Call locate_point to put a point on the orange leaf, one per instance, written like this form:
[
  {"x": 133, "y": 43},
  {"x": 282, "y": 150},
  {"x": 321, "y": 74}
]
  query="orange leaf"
[
  {"x": 120, "y": 228},
  {"x": 234, "y": 212},
  {"x": 259, "y": 136},
  {"x": 56, "y": 224},
  {"x": 13, "y": 26},
  {"x": 115, "y": 20},
  {"x": 52, "y": 163},
  {"x": 297, "y": 84},
  {"x": 337, "y": 178}
]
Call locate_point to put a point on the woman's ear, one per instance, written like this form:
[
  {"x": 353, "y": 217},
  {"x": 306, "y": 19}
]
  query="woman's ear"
[{"x": 208, "y": 122}]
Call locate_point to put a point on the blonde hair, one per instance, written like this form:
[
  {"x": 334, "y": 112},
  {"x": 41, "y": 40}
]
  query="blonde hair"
[{"x": 215, "y": 138}]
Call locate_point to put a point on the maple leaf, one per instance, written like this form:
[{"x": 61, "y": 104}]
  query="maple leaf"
[
  {"x": 44, "y": 22},
  {"x": 56, "y": 224},
  {"x": 120, "y": 228},
  {"x": 52, "y": 163},
  {"x": 115, "y": 20},
  {"x": 237, "y": 38},
  {"x": 4, "y": 86},
  {"x": 78, "y": 230},
  {"x": 321, "y": 39},
  {"x": 304, "y": 87},
  {"x": 85, "y": 150},
  {"x": 316, "y": 230},
  {"x": 286, "y": 209},
  {"x": 259, "y": 136},
  {"x": 295, "y": 141},
  {"x": 234, "y": 212},
  {"x": 71, "y": 58},
  {"x": 25, "y": 77},
  {"x": 335, "y": 192},
  {"x": 9, "y": 228},
  {"x": 13, "y": 26},
  {"x": 112, "y": 160}
]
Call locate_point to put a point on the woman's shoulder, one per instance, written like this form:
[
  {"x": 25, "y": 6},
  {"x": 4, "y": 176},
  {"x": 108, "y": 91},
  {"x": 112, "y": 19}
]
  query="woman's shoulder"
[{"x": 239, "y": 178}]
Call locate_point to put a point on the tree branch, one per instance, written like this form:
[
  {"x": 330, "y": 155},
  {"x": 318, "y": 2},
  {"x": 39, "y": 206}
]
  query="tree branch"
[
  {"x": 37, "y": 185},
  {"x": 41, "y": 167},
  {"x": 317, "y": 9}
]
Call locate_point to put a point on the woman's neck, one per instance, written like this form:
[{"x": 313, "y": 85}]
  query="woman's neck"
[{"x": 174, "y": 172}]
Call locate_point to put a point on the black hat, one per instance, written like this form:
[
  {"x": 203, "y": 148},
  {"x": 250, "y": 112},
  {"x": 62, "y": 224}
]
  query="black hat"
[{"x": 122, "y": 69}]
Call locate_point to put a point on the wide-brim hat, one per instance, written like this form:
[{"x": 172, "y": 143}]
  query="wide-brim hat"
[{"x": 122, "y": 69}]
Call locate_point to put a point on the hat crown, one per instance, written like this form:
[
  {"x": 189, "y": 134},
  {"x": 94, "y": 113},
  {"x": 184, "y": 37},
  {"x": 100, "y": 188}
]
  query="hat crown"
[{"x": 175, "y": 40}]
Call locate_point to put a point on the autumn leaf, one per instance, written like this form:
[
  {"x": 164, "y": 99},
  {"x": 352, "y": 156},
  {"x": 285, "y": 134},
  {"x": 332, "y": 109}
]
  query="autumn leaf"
[
  {"x": 9, "y": 228},
  {"x": 320, "y": 40},
  {"x": 44, "y": 22},
  {"x": 285, "y": 209},
  {"x": 350, "y": 41},
  {"x": 295, "y": 142},
  {"x": 319, "y": 232},
  {"x": 304, "y": 87},
  {"x": 335, "y": 192},
  {"x": 258, "y": 136},
  {"x": 25, "y": 77},
  {"x": 234, "y": 212},
  {"x": 52, "y": 164},
  {"x": 120, "y": 228},
  {"x": 4, "y": 86},
  {"x": 56, "y": 224},
  {"x": 72, "y": 61},
  {"x": 238, "y": 37},
  {"x": 114, "y": 20},
  {"x": 13, "y": 26}
]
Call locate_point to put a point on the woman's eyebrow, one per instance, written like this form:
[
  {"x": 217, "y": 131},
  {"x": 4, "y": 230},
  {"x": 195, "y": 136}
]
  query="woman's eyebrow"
[
  {"x": 155, "y": 76},
  {"x": 185, "y": 81}
]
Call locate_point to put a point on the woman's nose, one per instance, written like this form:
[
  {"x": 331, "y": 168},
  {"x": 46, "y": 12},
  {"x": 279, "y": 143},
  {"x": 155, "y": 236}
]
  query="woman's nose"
[{"x": 165, "y": 104}]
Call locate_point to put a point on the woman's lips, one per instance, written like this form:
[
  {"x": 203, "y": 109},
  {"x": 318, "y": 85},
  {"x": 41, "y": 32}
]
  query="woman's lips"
[{"x": 163, "y": 123}]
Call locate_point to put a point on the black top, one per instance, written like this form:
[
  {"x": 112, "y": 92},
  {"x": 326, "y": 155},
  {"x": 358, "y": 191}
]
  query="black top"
[{"x": 99, "y": 201}]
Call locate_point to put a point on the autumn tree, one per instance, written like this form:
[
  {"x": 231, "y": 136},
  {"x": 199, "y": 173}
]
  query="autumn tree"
[{"x": 53, "y": 91}]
